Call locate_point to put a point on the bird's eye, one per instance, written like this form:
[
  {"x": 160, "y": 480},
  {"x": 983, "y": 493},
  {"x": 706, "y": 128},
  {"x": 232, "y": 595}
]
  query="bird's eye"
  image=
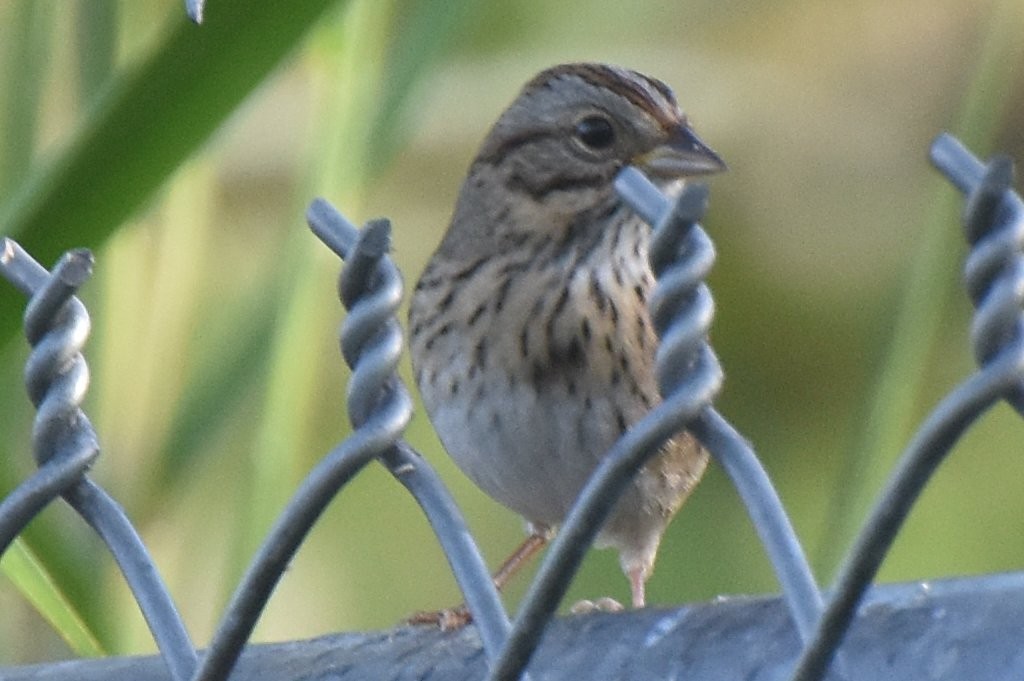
[{"x": 595, "y": 132}]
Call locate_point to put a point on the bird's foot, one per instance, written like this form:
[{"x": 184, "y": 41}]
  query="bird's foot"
[
  {"x": 449, "y": 619},
  {"x": 453, "y": 619}
]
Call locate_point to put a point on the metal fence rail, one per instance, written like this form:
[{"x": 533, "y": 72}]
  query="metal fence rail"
[
  {"x": 957, "y": 629},
  {"x": 64, "y": 445}
]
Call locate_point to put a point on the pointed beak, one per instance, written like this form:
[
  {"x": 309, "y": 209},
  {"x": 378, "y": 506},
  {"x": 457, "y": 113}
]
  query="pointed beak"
[{"x": 683, "y": 155}]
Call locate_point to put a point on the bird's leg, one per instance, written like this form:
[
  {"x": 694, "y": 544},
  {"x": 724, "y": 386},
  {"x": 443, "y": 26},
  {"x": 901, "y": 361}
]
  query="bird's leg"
[
  {"x": 459, "y": 616},
  {"x": 637, "y": 571},
  {"x": 637, "y": 581},
  {"x": 531, "y": 546}
]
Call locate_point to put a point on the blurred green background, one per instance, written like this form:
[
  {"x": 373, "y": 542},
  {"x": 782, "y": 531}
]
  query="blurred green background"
[{"x": 184, "y": 156}]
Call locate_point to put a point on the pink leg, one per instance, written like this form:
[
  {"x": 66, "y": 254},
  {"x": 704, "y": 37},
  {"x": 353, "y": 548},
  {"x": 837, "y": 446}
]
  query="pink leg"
[{"x": 637, "y": 581}]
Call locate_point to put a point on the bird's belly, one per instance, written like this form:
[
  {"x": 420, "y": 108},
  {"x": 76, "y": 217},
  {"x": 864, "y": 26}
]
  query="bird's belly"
[{"x": 530, "y": 450}]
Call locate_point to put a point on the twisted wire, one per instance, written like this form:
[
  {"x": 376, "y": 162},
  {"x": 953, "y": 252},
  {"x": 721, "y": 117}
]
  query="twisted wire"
[
  {"x": 365, "y": 327},
  {"x": 681, "y": 255},
  {"x": 56, "y": 375},
  {"x": 194, "y": 9},
  {"x": 994, "y": 277},
  {"x": 64, "y": 462},
  {"x": 371, "y": 338},
  {"x": 682, "y": 308},
  {"x": 994, "y": 272},
  {"x": 65, "y": 444},
  {"x": 379, "y": 407},
  {"x": 380, "y": 412}
]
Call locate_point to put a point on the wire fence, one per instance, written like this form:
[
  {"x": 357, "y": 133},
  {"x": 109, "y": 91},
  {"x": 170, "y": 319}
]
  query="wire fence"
[{"x": 379, "y": 408}]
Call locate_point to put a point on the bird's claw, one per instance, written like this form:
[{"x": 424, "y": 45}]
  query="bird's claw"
[{"x": 605, "y": 604}]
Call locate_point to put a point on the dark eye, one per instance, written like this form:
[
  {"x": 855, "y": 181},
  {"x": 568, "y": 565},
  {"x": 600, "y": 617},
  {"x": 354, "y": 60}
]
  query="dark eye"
[{"x": 595, "y": 132}]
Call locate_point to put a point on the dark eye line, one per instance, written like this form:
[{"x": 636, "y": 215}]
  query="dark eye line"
[{"x": 523, "y": 139}]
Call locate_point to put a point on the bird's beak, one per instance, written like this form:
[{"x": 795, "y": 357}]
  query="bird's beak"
[{"x": 683, "y": 155}]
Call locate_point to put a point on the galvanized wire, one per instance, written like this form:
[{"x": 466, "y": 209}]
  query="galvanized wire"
[
  {"x": 67, "y": 462},
  {"x": 64, "y": 443},
  {"x": 994, "y": 225},
  {"x": 725, "y": 445},
  {"x": 409, "y": 468},
  {"x": 379, "y": 408},
  {"x": 194, "y": 9}
]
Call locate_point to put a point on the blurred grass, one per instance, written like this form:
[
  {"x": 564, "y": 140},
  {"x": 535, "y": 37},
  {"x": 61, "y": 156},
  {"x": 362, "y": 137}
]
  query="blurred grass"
[
  {"x": 96, "y": 43},
  {"x": 917, "y": 323},
  {"x": 24, "y": 46},
  {"x": 217, "y": 377},
  {"x": 351, "y": 49}
]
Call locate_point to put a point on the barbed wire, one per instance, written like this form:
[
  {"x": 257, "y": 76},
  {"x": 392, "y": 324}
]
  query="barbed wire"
[{"x": 65, "y": 444}]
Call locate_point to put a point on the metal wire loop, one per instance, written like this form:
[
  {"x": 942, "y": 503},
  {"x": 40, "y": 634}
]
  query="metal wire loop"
[
  {"x": 372, "y": 335},
  {"x": 682, "y": 255},
  {"x": 65, "y": 444},
  {"x": 379, "y": 408},
  {"x": 993, "y": 212}
]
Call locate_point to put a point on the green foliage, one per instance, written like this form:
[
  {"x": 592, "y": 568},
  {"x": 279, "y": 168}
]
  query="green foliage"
[{"x": 152, "y": 117}]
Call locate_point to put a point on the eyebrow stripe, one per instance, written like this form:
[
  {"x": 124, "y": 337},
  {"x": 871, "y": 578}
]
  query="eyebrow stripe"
[{"x": 647, "y": 93}]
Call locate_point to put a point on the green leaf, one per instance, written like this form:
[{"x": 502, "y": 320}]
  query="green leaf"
[
  {"x": 146, "y": 123},
  {"x": 33, "y": 581}
]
